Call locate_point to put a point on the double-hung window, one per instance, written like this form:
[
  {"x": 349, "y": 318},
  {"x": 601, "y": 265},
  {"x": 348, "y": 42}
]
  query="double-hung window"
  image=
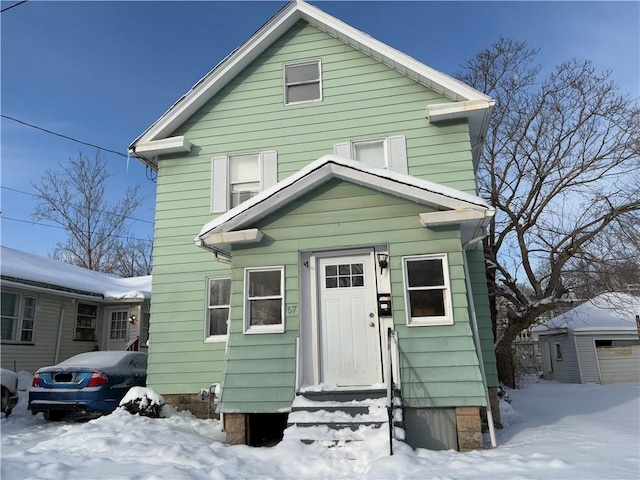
[
  {"x": 387, "y": 152},
  {"x": 303, "y": 82},
  {"x": 18, "y": 317},
  {"x": 264, "y": 300},
  {"x": 427, "y": 290},
  {"x": 238, "y": 177},
  {"x": 218, "y": 301},
  {"x": 86, "y": 320}
]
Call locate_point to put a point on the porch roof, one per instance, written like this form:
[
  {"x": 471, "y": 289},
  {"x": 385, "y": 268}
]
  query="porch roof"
[{"x": 452, "y": 205}]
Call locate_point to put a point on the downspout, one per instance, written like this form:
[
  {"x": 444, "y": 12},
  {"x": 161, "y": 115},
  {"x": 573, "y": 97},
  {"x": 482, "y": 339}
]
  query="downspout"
[{"x": 476, "y": 336}]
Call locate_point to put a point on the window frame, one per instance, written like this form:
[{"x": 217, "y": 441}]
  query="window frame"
[
  {"x": 259, "y": 329},
  {"x": 119, "y": 326},
  {"x": 259, "y": 181},
  {"x": 208, "y": 338},
  {"x": 303, "y": 82},
  {"x": 19, "y": 319},
  {"x": 557, "y": 352},
  {"x": 93, "y": 327},
  {"x": 385, "y": 150},
  {"x": 447, "y": 318}
]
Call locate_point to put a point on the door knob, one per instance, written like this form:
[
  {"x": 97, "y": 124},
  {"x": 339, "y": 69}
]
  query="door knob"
[{"x": 371, "y": 315}]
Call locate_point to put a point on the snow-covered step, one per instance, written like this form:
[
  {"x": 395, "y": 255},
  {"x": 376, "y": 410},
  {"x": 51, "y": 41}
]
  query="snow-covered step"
[{"x": 338, "y": 417}]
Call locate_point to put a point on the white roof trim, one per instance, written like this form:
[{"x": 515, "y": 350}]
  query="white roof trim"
[
  {"x": 296, "y": 10},
  {"x": 448, "y": 217},
  {"x": 331, "y": 166}
]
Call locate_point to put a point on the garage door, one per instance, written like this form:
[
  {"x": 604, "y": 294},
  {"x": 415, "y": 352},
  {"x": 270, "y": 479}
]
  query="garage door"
[{"x": 619, "y": 364}]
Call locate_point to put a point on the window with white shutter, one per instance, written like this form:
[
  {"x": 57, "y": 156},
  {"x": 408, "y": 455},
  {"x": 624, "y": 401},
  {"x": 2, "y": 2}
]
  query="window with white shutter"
[
  {"x": 237, "y": 178},
  {"x": 387, "y": 152}
]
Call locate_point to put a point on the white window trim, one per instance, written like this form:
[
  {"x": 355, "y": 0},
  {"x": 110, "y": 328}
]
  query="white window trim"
[
  {"x": 447, "y": 318},
  {"x": 17, "y": 339},
  {"x": 259, "y": 329},
  {"x": 221, "y": 177},
  {"x": 285, "y": 84},
  {"x": 214, "y": 338}
]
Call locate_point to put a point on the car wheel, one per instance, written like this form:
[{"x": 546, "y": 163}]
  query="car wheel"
[
  {"x": 5, "y": 401},
  {"x": 54, "y": 415}
]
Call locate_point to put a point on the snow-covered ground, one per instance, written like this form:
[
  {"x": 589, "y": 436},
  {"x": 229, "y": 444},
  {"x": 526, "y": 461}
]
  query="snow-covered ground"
[{"x": 553, "y": 431}]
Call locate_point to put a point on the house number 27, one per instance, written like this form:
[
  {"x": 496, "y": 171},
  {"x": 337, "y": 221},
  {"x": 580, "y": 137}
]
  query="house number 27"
[{"x": 292, "y": 309}]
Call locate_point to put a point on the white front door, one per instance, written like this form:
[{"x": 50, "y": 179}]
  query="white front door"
[
  {"x": 117, "y": 326},
  {"x": 348, "y": 320}
]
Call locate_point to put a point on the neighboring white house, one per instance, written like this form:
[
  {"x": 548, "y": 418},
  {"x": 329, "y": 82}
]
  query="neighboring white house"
[
  {"x": 596, "y": 342},
  {"x": 53, "y": 310}
]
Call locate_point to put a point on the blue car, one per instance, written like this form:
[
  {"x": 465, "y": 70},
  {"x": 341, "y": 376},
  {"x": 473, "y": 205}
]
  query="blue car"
[{"x": 93, "y": 382}]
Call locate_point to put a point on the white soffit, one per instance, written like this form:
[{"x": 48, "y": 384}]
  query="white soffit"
[
  {"x": 331, "y": 166},
  {"x": 296, "y": 10}
]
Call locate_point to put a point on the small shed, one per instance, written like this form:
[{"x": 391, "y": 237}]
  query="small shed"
[{"x": 596, "y": 342}]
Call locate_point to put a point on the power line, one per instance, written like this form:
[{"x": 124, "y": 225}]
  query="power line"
[
  {"x": 63, "y": 228},
  {"x": 12, "y": 6},
  {"x": 150, "y": 174},
  {"x": 74, "y": 205},
  {"x": 51, "y": 132}
]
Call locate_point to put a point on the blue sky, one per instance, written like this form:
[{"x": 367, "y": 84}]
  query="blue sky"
[{"x": 102, "y": 72}]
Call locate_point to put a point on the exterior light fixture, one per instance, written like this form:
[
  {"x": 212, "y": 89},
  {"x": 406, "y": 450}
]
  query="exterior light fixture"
[
  {"x": 132, "y": 318},
  {"x": 382, "y": 260}
]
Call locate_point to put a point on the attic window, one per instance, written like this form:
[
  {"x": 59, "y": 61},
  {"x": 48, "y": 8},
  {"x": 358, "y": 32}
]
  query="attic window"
[{"x": 302, "y": 82}]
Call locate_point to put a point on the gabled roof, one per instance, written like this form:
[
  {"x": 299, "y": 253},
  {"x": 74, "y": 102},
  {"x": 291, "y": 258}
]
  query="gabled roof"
[
  {"x": 471, "y": 210},
  {"x": 468, "y": 102},
  {"x": 28, "y": 270},
  {"x": 606, "y": 312}
]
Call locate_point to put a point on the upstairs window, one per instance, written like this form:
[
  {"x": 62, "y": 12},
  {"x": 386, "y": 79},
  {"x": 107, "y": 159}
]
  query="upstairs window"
[
  {"x": 18, "y": 317},
  {"x": 86, "y": 320},
  {"x": 218, "y": 304},
  {"x": 427, "y": 290},
  {"x": 302, "y": 82},
  {"x": 244, "y": 178},
  {"x": 386, "y": 152},
  {"x": 238, "y": 177}
]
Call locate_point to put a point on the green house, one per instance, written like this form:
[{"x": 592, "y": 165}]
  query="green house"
[{"x": 318, "y": 230}]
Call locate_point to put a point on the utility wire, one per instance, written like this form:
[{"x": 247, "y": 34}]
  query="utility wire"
[
  {"x": 11, "y": 6},
  {"x": 64, "y": 136},
  {"x": 151, "y": 175},
  {"x": 78, "y": 207}
]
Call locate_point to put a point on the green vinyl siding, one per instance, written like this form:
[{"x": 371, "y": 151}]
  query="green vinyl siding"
[
  {"x": 440, "y": 360},
  {"x": 362, "y": 99}
]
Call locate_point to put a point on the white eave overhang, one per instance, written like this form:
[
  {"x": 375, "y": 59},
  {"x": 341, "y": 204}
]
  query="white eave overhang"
[
  {"x": 296, "y": 10},
  {"x": 221, "y": 240}
]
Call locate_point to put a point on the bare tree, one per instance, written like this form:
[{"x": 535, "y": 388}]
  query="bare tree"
[
  {"x": 561, "y": 166},
  {"x": 73, "y": 196},
  {"x": 134, "y": 258}
]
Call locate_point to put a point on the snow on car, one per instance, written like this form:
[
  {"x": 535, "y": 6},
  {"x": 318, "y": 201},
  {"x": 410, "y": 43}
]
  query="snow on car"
[{"x": 89, "y": 382}]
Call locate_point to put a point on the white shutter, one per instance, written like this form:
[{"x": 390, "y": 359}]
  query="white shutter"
[
  {"x": 219, "y": 185},
  {"x": 398, "y": 154},
  {"x": 342, "y": 149},
  {"x": 269, "y": 169}
]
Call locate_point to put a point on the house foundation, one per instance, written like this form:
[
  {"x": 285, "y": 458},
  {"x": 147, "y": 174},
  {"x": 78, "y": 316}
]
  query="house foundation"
[
  {"x": 469, "y": 427},
  {"x": 199, "y": 408}
]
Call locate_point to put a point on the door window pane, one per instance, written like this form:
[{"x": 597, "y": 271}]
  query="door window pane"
[{"x": 344, "y": 275}]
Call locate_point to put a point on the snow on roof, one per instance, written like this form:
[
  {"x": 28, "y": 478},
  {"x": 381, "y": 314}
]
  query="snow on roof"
[
  {"x": 608, "y": 311},
  {"x": 59, "y": 275},
  {"x": 333, "y": 166}
]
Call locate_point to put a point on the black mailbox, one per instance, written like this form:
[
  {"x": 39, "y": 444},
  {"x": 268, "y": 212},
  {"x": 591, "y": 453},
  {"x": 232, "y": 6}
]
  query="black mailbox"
[{"x": 384, "y": 304}]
